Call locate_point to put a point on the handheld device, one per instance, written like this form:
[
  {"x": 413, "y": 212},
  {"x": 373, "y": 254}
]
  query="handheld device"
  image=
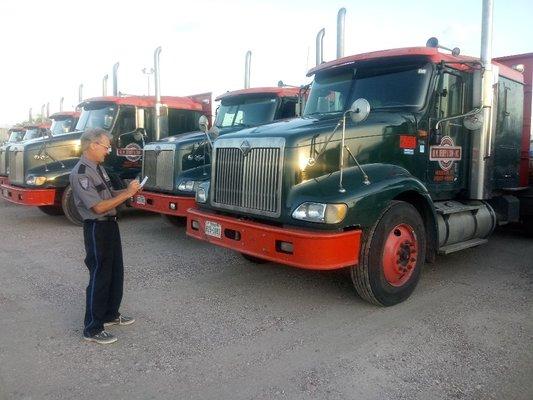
[{"x": 144, "y": 181}]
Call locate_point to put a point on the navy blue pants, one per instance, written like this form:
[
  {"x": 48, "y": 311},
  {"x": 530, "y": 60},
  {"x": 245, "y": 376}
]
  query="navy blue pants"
[{"x": 103, "y": 250}]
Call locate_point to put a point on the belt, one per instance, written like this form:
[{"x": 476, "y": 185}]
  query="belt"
[{"x": 107, "y": 218}]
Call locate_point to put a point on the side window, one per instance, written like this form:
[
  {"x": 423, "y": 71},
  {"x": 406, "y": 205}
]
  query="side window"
[
  {"x": 450, "y": 96},
  {"x": 126, "y": 120},
  {"x": 287, "y": 108}
]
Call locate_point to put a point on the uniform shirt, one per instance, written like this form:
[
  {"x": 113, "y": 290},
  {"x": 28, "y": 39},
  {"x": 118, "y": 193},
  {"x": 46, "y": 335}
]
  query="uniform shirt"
[{"x": 90, "y": 185}]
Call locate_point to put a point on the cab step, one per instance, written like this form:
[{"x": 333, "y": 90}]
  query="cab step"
[{"x": 452, "y": 248}]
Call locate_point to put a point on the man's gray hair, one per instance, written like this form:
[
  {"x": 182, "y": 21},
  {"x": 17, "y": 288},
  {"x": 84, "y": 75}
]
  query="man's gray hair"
[{"x": 92, "y": 136}]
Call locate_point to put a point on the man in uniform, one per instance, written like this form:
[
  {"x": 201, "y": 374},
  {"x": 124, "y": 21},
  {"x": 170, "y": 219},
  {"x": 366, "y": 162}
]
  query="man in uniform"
[{"x": 96, "y": 201}]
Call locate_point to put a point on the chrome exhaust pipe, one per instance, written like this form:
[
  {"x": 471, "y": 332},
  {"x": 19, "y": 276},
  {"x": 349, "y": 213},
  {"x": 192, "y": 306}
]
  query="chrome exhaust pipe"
[
  {"x": 48, "y": 110},
  {"x": 43, "y": 107},
  {"x": 115, "y": 79},
  {"x": 320, "y": 46},
  {"x": 30, "y": 116},
  {"x": 61, "y": 103},
  {"x": 157, "y": 89},
  {"x": 483, "y": 97},
  {"x": 80, "y": 93},
  {"x": 247, "y": 65},
  {"x": 104, "y": 85},
  {"x": 341, "y": 15}
]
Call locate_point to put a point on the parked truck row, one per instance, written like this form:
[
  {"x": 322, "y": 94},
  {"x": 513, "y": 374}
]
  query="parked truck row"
[{"x": 387, "y": 160}]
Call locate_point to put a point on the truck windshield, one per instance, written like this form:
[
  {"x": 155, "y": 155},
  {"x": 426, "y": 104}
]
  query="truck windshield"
[
  {"x": 61, "y": 126},
  {"x": 16, "y": 136},
  {"x": 384, "y": 87},
  {"x": 32, "y": 134},
  {"x": 97, "y": 115},
  {"x": 246, "y": 111}
]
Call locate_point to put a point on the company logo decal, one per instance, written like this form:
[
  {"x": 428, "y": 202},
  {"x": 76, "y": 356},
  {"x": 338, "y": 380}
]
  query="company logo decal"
[
  {"x": 446, "y": 153},
  {"x": 133, "y": 152},
  {"x": 245, "y": 147}
]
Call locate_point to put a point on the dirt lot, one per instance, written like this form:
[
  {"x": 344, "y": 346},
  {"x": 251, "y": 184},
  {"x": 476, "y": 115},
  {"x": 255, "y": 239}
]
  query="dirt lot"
[{"x": 211, "y": 325}]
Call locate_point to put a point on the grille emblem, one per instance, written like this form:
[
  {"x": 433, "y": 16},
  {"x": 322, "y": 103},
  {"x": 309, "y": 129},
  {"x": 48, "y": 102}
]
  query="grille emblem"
[
  {"x": 245, "y": 147},
  {"x": 157, "y": 150}
]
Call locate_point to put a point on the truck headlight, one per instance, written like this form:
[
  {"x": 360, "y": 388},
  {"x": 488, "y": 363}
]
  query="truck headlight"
[
  {"x": 35, "y": 180},
  {"x": 186, "y": 186},
  {"x": 320, "y": 212},
  {"x": 202, "y": 192},
  {"x": 201, "y": 195}
]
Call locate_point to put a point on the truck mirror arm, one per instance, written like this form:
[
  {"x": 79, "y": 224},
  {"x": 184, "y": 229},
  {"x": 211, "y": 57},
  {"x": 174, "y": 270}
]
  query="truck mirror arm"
[{"x": 472, "y": 112}]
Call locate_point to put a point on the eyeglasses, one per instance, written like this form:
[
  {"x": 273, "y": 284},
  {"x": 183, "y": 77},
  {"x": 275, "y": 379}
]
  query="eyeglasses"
[{"x": 108, "y": 148}]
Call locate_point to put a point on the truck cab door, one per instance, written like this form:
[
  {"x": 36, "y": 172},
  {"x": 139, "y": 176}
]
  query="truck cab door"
[
  {"x": 446, "y": 168},
  {"x": 128, "y": 141}
]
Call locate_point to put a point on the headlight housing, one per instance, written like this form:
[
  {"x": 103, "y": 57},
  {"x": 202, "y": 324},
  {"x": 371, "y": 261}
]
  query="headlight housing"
[
  {"x": 320, "y": 212},
  {"x": 186, "y": 186},
  {"x": 202, "y": 192},
  {"x": 35, "y": 180}
]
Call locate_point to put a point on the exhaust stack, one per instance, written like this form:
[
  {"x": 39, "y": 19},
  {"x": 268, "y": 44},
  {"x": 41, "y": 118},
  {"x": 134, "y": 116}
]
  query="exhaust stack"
[
  {"x": 61, "y": 103},
  {"x": 80, "y": 93},
  {"x": 157, "y": 94},
  {"x": 43, "y": 107},
  {"x": 104, "y": 85},
  {"x": 115, "y": 79},
  {"x": 483, "y": 97},
  {"x": 48, "y": 110},
  {"x": 30, "y": 117},
  {"x": 340, "y": 32},
  {"x": 247, "y": 65},
  {"x": 320, "y": 46}
]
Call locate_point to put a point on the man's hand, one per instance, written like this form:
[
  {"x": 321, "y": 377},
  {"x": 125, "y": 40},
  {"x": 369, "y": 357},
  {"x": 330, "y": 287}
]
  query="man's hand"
[
  {"x": 123, "y": 195},
  {"x": 133, "y": 187}
]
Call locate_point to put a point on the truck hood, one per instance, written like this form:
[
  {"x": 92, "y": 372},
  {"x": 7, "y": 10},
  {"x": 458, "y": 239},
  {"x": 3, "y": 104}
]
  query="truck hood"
[{"x": 302, "y": 131}]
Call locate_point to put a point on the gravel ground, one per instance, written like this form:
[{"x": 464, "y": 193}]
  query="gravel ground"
[{"x": 211, "y": 325}]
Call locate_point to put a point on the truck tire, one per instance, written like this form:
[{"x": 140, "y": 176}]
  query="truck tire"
[
  {"x": 174, "y": 220},
  {"x": 69, "y": 208},
  {"x": 253, "y": 259},
  {"x": 527, "y": 223},
  {"x": 392, "y": 256},
  {"x": 51, "y": 210}
]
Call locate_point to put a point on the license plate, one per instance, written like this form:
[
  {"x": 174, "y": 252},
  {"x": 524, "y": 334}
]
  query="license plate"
[
  {"x": 140, "y": 200},
  {"x": 5, "y": 193},
  {"x": 213, "y": 229}
]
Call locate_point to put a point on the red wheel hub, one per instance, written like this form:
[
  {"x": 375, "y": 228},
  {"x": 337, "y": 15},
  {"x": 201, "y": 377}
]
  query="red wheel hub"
[{"x": 400, "y": 254}]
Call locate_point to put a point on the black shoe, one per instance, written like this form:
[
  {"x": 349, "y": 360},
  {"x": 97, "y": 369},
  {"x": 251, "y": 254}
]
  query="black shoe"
[
  {"x": 121, "y": 320},
  {"x": 102, "y": 337}
]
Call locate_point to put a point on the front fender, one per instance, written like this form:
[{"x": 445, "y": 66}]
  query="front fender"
[{"x": 365, "y": 202}]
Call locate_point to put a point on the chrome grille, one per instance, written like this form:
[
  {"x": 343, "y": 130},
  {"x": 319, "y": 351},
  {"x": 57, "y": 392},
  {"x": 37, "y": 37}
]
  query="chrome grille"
[
  {"x": 158, "y": 166},
  {"x": 3, "y": 161},
  {"x": 16, "y": 166},
  {"x": 248, "y": 180}
]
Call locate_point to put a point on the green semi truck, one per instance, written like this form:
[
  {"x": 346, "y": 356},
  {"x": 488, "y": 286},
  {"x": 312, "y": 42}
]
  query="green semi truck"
[{"x": 400, "y": 155}]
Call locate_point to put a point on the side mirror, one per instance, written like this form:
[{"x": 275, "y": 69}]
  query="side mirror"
[
  {"x": 473, "y": 122},
  {"x": 139, "y": 134},
  {"x": 203, "y": 123},
  {"x": 359, "y": 110},
  {"x": 139, "y": 118}
]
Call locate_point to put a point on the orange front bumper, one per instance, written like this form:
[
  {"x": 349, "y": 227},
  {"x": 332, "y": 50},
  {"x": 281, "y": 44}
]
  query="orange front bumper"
[
  {"x": 295, "y": 247},
  {"x": 163, "y": 203},
  {"x": 28, "y": 197}
]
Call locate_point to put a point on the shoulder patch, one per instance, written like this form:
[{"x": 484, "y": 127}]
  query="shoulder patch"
[
  {"x": 84, "y": 182},
  {"x": 81, "y": 169}
]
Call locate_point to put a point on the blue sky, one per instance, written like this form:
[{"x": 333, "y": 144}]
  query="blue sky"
[{"x": 49, "y": 48}]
